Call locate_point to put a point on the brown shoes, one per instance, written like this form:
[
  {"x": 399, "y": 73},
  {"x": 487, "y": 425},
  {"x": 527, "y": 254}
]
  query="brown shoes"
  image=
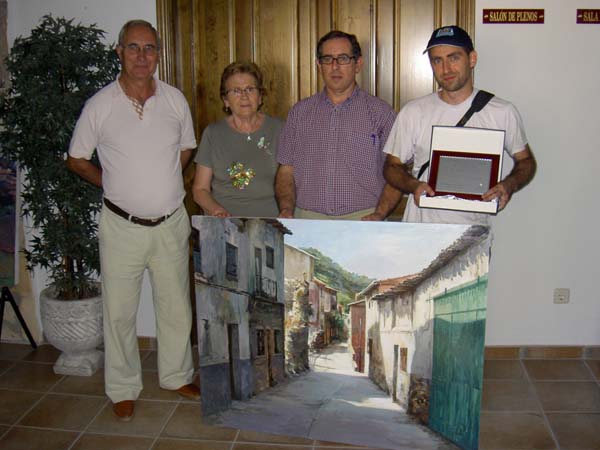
[
  {"x": 123, "y": 410},
  {"x": 189, "y": 391}
]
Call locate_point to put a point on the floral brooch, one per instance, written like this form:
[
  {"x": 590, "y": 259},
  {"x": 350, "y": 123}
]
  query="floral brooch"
[{"x": 239, "y": 175}]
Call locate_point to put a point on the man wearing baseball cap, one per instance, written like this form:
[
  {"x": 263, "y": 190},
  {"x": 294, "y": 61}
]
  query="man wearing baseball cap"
[{"x": 452, "y": 58}]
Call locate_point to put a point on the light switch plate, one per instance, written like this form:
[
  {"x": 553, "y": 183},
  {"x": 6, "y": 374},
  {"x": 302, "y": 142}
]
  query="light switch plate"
[{"x": 561, "y": 295}]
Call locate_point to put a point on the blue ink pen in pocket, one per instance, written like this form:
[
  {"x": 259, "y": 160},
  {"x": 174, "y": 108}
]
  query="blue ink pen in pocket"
[{"x": 373, "y": 138}]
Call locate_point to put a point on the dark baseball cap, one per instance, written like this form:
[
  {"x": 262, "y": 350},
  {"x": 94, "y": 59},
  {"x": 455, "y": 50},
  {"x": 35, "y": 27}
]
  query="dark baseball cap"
[{"x": 450, "y": 35}]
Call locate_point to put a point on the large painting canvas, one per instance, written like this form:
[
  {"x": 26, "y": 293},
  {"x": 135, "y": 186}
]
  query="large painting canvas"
[{"x": 341, "y": 331}]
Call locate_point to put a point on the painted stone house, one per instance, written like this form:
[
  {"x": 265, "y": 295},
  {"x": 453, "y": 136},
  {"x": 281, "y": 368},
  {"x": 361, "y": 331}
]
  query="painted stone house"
[
  {"x": 323, "y": 302},
  {"x": 405, "y": 353},
  {"x": 299, "y": 272},
  {"x": 358, "y": 323},
  {"x": 239, "y": 287},
  {"x": 299, "y": 266}
]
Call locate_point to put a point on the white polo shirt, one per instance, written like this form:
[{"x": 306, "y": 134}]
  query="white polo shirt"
[{"x": 140, "y": 158}]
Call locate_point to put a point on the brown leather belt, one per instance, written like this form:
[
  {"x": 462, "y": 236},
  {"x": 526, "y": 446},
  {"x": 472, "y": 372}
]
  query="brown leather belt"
[{"x": 133, "y": 219}]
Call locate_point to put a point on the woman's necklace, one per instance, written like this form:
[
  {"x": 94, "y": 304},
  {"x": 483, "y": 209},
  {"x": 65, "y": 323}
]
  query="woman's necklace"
[{"x": 248, "y": 130}]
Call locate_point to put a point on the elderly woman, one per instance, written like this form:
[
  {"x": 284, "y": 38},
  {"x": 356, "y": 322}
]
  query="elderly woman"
[{"x": 236, "y": 160}]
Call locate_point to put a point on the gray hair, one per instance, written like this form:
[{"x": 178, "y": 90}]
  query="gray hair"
[{"x": 137, "y": 23}]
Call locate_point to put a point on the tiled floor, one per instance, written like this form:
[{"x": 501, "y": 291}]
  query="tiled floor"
[
  {"x": 528, "y": 403},
  {"x": 541, "y": 399},
  {"x": 40, "y": 410}
]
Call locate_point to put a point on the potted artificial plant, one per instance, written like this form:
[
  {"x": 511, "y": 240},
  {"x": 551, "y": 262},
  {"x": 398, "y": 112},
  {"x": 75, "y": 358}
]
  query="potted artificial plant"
[{"x": 52, "y": 73}]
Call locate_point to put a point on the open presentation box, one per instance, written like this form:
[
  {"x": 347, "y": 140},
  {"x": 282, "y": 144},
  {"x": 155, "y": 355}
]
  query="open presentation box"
[{"x": 464, "y": 164}]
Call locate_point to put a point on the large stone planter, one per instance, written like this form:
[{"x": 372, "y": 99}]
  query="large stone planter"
[{"x": 75, "y": 327}]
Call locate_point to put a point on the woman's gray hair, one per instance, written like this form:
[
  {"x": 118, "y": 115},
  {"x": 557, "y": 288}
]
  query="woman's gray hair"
[{"x": 241, "y": 67}]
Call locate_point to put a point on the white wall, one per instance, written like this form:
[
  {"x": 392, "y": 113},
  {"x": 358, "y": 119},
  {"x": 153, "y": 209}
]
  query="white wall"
[
  {"x": 548, "y": 236},
  {"x": 108, "y": 15}
]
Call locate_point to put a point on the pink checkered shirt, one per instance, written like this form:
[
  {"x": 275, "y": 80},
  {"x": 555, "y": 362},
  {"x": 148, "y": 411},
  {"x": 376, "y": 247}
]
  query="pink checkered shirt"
[{"x": 336, "y": 151}]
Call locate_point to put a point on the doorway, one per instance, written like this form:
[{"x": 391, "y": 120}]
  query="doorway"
[
  {"x": 233, "y": 345},
  {"x": 270, "y": 350},
  {"x": 395, "y": 375},
  {"x": 258, "y": 270}
]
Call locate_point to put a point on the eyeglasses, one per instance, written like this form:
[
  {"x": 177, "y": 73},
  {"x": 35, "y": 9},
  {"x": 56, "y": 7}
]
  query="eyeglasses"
[
  {"x": 250, "y": 90},
  {"x": 342, "y": 59},
  {"x": 148, "y": 49}
]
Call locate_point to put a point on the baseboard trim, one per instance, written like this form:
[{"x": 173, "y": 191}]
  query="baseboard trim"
[{"x": 543, "y": 352}]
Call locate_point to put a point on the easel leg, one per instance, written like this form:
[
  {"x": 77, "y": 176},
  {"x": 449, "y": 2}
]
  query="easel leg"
[{"x": 7, "y": 297}]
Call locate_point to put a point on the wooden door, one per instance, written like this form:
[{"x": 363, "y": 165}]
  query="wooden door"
[
  {"x": 270, "y": 351},
  {"x": 395, "y": 374},
  {"x": 233, "y": 346},
  {"x": 201, "y": 37},
  {"x": 358, "y": 337},
  {"x": 258, "y": 271},
  {"x": 457, "y": 375}
]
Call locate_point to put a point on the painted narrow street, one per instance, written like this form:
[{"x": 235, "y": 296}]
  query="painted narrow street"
[{"x": 333, "y": 403}]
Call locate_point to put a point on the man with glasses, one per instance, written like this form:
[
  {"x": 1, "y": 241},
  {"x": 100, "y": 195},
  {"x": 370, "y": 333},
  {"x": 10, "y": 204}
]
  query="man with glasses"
[
  {"x": 142, "y": 129},
  {"x": 330, "y": 149}
]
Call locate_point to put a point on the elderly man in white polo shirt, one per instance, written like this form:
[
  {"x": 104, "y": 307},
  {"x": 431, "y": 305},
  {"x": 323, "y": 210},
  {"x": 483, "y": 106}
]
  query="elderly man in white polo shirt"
[{"x": 143, "y": 133}]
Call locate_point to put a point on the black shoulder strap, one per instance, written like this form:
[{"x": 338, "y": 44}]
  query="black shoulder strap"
[{"x": 479, "y": 101}]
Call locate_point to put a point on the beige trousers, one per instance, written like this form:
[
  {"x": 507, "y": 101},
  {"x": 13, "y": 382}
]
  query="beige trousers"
[
  {"x": 126, "y": 251},
  {"x": 300, "y": 213}
]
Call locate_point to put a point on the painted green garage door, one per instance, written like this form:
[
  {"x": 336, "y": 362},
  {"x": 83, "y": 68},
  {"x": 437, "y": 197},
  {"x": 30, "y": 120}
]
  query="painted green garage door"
[{"x": 458, "y": 344}]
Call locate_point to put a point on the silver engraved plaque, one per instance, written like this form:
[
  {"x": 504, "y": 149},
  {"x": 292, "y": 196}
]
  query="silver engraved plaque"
[{"x": 463, "y": 175}]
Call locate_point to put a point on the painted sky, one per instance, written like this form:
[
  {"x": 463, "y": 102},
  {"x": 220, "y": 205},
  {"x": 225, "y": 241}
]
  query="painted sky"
[{"x": 375, "y": 249}]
